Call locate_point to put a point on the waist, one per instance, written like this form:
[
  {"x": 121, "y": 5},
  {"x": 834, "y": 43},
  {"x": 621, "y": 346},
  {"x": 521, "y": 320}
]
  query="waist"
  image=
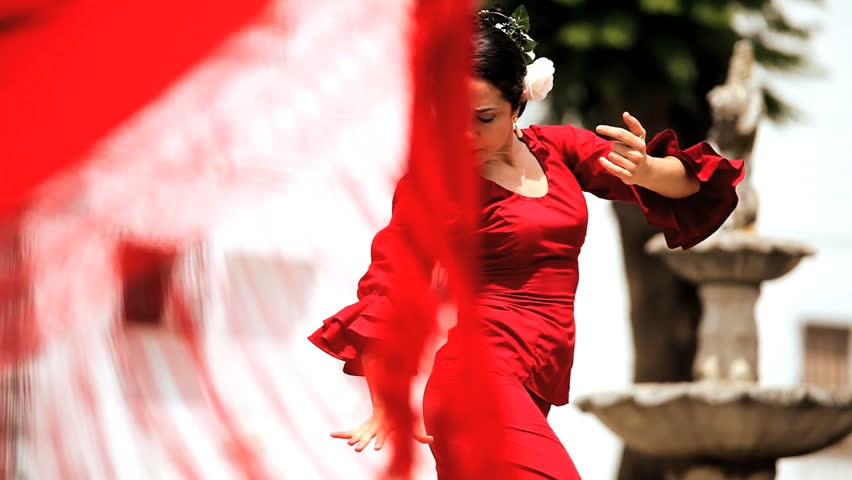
[{"x": 550, "y": 283}]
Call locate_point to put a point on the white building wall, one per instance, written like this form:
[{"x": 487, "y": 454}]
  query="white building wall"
[{"x": 801, "y": 175}]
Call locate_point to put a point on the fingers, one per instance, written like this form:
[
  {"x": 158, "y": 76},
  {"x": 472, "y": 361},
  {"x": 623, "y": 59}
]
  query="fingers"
[
  {"x": 380, "y": 440},
  {"x": 635, "y": 131},
  {"x": 627, "y": 163},
  {"x": 616, "y": 170},
  {"x": 421, "y": 436},
  {"x": 622, "y": 135},
  {"x": 634, "y": 156},
  {"x": 633, "y": 124},
  {"x": 363, "y": 435},
  {"x": 622, "y": 162},
  {"x": 364, "y": 439},
  {"x": 356, "y": 436}
]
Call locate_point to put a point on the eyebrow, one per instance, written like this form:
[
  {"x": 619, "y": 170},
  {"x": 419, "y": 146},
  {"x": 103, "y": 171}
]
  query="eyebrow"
[{"x": 485, "y": 109}]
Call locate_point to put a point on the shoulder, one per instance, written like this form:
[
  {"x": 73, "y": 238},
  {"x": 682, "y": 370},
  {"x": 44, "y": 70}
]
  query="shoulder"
[
  {"x": 561, "y": 132},
  {"x": 562, "y": 138},
  {"x": 546, "y": 132},
  {"x": 572, "y": 143}
]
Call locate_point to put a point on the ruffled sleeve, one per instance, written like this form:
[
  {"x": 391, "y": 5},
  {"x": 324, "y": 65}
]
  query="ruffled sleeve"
[
  {"x": 347, "y": 333},
  {"x": 685, "y": 222},
  {"x": 688, "y": 221}
]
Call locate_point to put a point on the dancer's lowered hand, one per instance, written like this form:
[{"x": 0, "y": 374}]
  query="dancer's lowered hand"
[{"x": 377, "y": 427}]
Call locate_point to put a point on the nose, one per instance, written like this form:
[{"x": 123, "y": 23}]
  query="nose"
[
  {"x": 473, "y": 139},
  {"x": 472, "y": 134}
]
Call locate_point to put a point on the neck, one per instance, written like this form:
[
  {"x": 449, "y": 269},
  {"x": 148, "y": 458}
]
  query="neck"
[{"x": 508, "y": 153}]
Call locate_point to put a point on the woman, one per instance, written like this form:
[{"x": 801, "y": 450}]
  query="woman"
[{"x": 532, "y": 225}]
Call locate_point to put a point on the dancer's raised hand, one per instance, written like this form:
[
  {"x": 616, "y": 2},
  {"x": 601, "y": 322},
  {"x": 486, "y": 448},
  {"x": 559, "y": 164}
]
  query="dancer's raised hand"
[{"x": 628, "y": 159}]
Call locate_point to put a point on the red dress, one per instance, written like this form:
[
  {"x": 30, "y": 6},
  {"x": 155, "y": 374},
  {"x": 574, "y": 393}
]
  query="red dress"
[{"x": 528, "y": 256}]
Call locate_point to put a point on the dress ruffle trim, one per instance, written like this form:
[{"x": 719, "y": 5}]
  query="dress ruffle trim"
[
  {"x": 345, "y": 334},
  {"x": 687, "y": 221}
]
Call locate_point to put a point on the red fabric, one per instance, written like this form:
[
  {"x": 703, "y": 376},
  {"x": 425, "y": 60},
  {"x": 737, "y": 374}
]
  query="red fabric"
[
  {"x": 681, "y": 224},
  {"x": 346, "y": 333},
  {"x": 83, "y": 76},
  {"x": 440, "y": 184},
  {"x": 71, "y": 71},
  {"x": 529, "y": 448},
  {"x": 529, "y": 270}
]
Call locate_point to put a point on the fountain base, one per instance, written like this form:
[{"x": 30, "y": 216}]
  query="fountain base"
[{"x": 724, "y": 430}]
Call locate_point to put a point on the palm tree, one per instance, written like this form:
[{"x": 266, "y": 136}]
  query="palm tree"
[{"x": 657, "y": 59}]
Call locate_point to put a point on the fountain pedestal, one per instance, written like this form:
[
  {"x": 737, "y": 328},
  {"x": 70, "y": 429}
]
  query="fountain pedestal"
[
  {"x": 728, "y": 269},
  {"x": 729, "y": 352}
]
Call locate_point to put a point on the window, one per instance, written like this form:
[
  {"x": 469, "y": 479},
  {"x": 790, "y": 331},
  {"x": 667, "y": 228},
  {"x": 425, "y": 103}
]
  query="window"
[
  {"x": 146, "y": 274},
  {"x": 827, "y": 355},
  {"x": 828, "y": 363}
]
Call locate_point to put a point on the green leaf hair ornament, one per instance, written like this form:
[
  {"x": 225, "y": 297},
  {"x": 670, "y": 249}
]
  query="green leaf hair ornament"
[
  {"x": 516, "y": 26},
  {"x": 539, "y": 79}
]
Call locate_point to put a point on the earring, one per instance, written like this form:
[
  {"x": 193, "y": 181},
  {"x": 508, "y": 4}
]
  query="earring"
[{"x": 518, "y": 132}]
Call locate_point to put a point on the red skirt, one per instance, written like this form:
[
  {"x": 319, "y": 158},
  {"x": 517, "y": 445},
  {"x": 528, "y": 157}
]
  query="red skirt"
[{"x": 528, "y": 448}]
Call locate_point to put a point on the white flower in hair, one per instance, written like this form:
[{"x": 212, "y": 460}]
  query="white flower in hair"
[{"x": 539, "y": 79}]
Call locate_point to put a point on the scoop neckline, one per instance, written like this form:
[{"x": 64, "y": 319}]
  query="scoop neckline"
[{"x": 532, "y": 146}]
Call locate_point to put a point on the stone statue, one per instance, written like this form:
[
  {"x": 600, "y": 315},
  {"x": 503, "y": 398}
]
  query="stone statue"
[{"x": 737, "y": 107}]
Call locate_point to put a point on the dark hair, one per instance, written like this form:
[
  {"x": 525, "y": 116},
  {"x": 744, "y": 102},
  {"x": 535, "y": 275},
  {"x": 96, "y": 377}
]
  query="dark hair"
[{"x": 498, "y": 60}]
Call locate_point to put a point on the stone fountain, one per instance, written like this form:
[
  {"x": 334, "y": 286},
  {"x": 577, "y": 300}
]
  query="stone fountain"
[{"x": 725, "y": 425}]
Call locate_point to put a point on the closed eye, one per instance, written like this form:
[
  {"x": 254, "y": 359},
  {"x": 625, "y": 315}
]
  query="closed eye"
[{"x": 487, "y": 119}]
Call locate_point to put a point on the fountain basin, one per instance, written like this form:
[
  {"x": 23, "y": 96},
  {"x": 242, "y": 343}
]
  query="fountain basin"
[
  {"x": 737, "y": 256},
  {"x": 724, "y": 421}
]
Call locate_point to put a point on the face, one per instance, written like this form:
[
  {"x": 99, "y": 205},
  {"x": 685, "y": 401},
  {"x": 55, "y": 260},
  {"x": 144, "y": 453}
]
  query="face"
[{"x": 491, "y": 129}]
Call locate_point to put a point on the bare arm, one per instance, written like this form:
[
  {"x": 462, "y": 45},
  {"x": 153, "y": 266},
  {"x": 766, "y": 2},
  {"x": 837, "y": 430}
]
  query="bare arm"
[
  {"x": 369, "y": 360},
  {"x": 669, "y": 178}
]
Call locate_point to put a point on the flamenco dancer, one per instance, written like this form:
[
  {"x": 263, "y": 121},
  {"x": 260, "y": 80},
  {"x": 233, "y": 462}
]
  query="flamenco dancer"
[{"x": 532, "y": 224}]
